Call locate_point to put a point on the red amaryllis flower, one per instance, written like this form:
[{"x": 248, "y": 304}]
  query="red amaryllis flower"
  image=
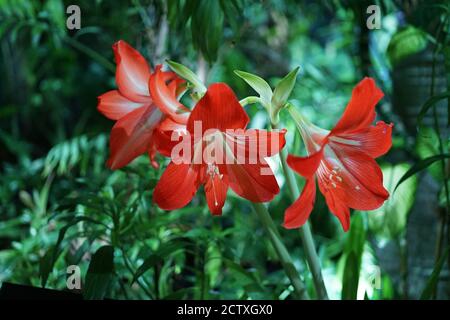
[
  {"x": 343, "y": 160},
  {"x": 219, "y": 152},
  {"x": 145, "y": 106}
]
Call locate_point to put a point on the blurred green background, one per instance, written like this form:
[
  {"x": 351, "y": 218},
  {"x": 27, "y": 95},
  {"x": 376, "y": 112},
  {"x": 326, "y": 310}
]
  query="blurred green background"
[{"x": 59, "y": 203}]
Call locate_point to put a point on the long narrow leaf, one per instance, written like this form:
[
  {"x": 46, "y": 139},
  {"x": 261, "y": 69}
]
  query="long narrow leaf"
[
  {"x": 419, "y": 166},
  {"x": 429, "y": 103},
  {"x": 49, "y": 259},
  {"x": 432, "y": 282}
]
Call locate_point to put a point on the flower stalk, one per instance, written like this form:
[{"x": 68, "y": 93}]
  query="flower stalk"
[
  {"x": 249, "y": 100},
  {"x": 305, "y": 231},
  {"x": 281, "y": 251}
]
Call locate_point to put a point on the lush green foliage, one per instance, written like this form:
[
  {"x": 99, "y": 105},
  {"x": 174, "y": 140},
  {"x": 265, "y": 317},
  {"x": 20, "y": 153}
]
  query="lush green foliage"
[{"x": 60, "y": 205}]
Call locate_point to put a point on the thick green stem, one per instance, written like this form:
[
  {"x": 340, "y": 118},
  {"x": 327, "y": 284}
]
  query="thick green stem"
[
  {"x": 281, "y": 250},
  {"x": 305, "y": 232},
  {"x": 249, "y": 100}
]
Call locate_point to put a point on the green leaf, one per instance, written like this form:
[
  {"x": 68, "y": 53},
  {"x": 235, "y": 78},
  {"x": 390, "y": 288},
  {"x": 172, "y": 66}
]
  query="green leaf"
[
  {"x": 387, "y": 287},
  {"x": 46, "y": 265},
  {"x": 99, "y": 274},
  {"x": 390, "y": 219},
  {"x": 159, "y": 256},
  {"x": 259, "y": 85},
  {"x": 353, "y": 251},
  {"x": 233, "y": 13},
  {"x": 213, "y": 263},
  {"x": 421, "y": 165},
  {"x": 181, "y": 294},
  {"x": 432, "y": 282},
  {"x": 427, "y": 145},
  {"x": 207, "y": 27},
  {"x": 179, "y": 12},
  {"x": 49, "y": 259},
  {"x": 406, "y": 42},
  {"x": 187, "y": 74},
  {"x": 243, "y": 276},
  {"x": 429, "y": 103},
  {"x": 283, "y": 89},
  {"x": 351, "y": 277}
]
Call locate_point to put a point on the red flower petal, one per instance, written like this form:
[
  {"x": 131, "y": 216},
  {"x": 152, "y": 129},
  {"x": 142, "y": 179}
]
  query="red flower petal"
[
  {"x": 247, "y": 181},
  {"x": 360, "y": 111},
  {"x": 167, "y": 135},
  {"x": 218, "y": 109},
  {"x": 114, "y": 106},
  {"x": 132, "y": 72},
  {"x": 269, "y": 143},
  {"x": 176, "y": 87},
  {"x": 165, "y": 98},
  {"x": 169, "y": 125},
  {"x": 338, "y": 208},
  {"x": 374, "y": 140},
  {"x": 131, "y": 136},
  {"x": 152, "y": 154},
  {"x": 245, "y": 151},
  {"x": 249, "y": 146},
  {"x": 216, "y": 187},
  {"x": 353, "y": 177},
  {"x": 305, "y": 166},
  {"x": 298, "y": 213},
  {"x": 168, "y": 75},
  {"x": 176, "y": 187}
]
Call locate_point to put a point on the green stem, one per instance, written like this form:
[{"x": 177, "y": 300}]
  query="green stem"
[
  {"x": 281, "y": 250},
  {"x": 249, "y": 100},
  {"x": 444, "y": 219},
  {"x": 91, "y": 53},
  {"x": 305, "y": 232}
]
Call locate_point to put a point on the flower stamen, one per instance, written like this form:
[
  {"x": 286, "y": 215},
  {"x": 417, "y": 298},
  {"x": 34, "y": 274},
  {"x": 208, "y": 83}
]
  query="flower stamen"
[{"x": 212, "y": 171}]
